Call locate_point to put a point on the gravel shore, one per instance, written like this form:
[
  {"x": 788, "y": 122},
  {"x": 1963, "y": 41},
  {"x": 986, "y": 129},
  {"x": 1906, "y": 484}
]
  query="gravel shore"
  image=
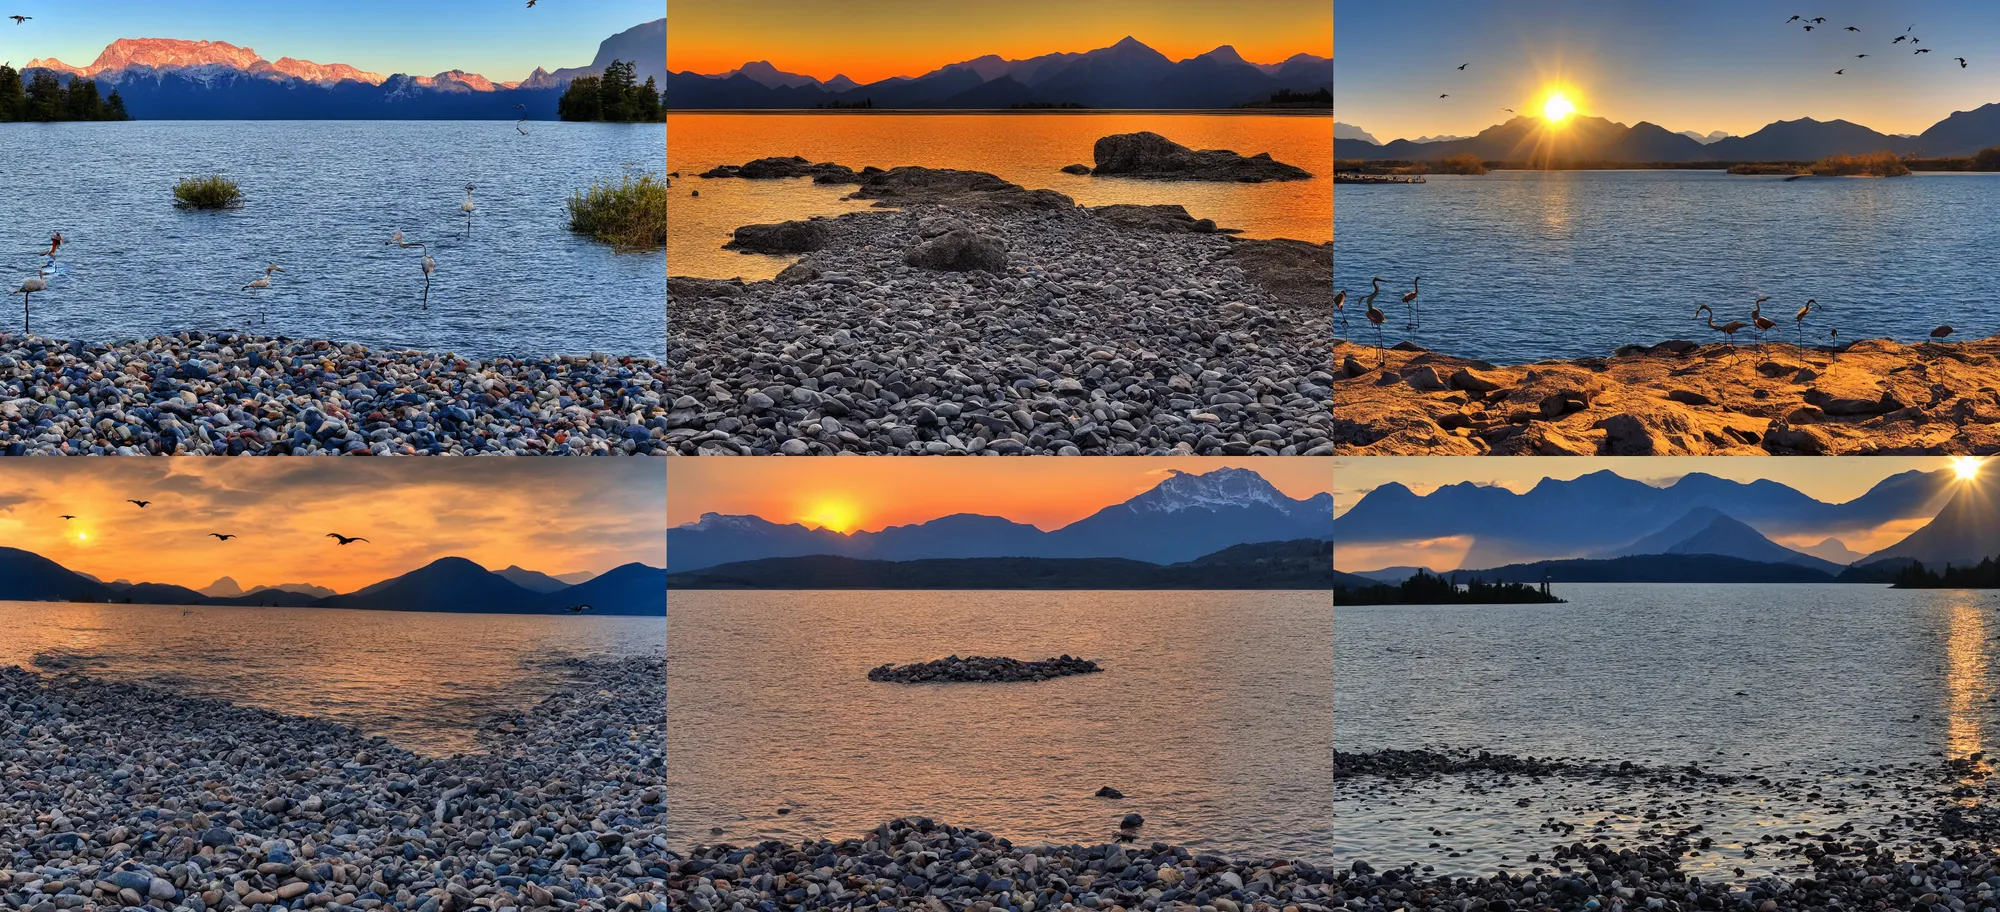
[
  {"x": 233, "y": 394},
  {"x": 119, "y": 795},
  {"x": 915, "y": 863},
  {"x": 1127, "y": 332}
]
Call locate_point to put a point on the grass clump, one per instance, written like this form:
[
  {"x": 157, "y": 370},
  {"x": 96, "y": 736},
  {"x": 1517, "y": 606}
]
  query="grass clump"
[
  {"x": 1874, "y": 164},
  {"x": 212, "y": 192},
  {"x": 630, "y": 214},
  {"x": 1462, "y": 163}
]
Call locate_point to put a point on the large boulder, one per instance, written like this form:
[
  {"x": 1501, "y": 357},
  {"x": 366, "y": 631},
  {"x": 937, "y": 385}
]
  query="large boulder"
[
  {"x": 911, "y": 185},
  {"x": 959, "y": 250},
  {"x": 1164, "y": 217},
  {"x": 783, "y": 237},
  {"x": 782, "y": 167},
  {"x": 1152, "y": 156}
]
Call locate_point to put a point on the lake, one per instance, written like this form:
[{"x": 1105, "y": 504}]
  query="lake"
[
  {"x": 1210, "y": 715},
  {"x": 1520, "y": 266},
  {"x": 1804, "y": 683},
  {"x": 319, "y": 199},
  {"x": 1028, "y": 149},
  {"x": 423, "y": 680}
]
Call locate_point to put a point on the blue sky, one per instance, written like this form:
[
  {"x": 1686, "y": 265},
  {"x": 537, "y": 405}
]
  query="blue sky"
[
  {"x": 1694, "y": 65},
  {"x": 501, "y": 39}
]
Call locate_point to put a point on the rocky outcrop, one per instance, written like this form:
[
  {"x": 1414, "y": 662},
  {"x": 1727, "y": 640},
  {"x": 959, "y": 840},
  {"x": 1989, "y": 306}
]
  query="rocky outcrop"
[
  {"x": 775, "y": 168},
  {"x": 950, "y": 187},
  {"x": 1154, "y": 157},
  {"x": 783, "y": 237},
  {"x": 1159, "y": 218},
  {"x": 1678, "y": 398},
  {"x": 959, "y": 250},
  {"x": 978, "y": 669}
]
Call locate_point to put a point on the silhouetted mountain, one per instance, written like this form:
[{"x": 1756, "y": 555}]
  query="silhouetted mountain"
[
  {"x": 1304, "y": 564},
  {"x": 171, "y": 79},
  {"x": 1183, "y": 517},
  {"x": 1651, "y": 568},
  {"x": 1352, "y": 581},
  {"x": 29, "y": 577},
  {"x": 1835, "y": 550},
  {"x": 1394, "y": 574},
  {"x": 451, "y": 584},
  {"x": 1966, "y": 531},
  {"x": 1730, "y": 538},
  {"x": 531, "y": 580},
  {"x": 1594, "y": 139},
  {"x": 1125, "y": 75},
  {"x": 1602, "y": 512}
]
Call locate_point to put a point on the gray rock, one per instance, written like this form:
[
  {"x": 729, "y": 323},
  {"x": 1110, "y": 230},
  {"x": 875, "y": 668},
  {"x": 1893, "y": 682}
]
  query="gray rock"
[
  {"x": 1152, "y": 156},
  {"x": 959, "y": 250},
  {"x": 783, "y": 237}
]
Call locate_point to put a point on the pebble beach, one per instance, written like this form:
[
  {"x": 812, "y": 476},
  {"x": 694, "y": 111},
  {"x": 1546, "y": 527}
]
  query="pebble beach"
[
  {"x": 235, "y": 394},
  {"x": 121, "y": 795}
]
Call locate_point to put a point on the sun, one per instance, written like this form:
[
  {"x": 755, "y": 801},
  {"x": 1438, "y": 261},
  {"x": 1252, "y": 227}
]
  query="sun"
[
  {"x": 1558, "y": 108},
  {"x": 1967, "y": 467},
  {"x": 837, "y": 515}
]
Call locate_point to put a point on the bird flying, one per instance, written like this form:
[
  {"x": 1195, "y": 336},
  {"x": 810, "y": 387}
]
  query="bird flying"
[
  {"x": 1463, "y": 65},
  {"x": 1793, "y": 19},
  {"x": 1961, "y": 63},
  {"x": 1923, "y": 50},
  {"x": 531, "y": 4},
  {"x": 346, "y": 539},
  {"x": 577, "y": 609},
  {"x": 1444, "y": 96},
  {"x": 1900, "y": 39},
  {"x": 1852, "y": 29},
  {"x": 1839, "y": 72},
  {"x": 1859, "y": 56},
  {"x": 1819, "y": 20},
  {"x": 67, "y": 516},
  {"x": 220, "y": 537},
  {"x": 20, "y": 19},
  {"x": 1809, "y": 28},
  {"x": 141, "y": 504}
]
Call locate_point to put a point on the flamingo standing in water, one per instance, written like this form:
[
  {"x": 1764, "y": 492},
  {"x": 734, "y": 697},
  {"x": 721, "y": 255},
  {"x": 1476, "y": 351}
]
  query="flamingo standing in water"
[
  {"x": 264, "y": 282},
  {"x": 28, "y": 287},
  {"x": 1799, "y": 319},
  {"x": 1377, "y": 317},
  {"x": 1728, "y": 329},
  {"x": 1340, "y": 307},
  {"x": 466, "y": 207},
  {"x": 1410, "y": 302}
]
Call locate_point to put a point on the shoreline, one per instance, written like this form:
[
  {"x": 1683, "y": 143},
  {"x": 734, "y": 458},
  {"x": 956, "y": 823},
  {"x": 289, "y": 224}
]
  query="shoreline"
[
  {"x": 126, "y": 794},
  {"x": 1118, "y": 330},
  {"x": 899, "y": 865},
  {"x": 1866, "y": 397},
  {"x": 232, "y": 393}
]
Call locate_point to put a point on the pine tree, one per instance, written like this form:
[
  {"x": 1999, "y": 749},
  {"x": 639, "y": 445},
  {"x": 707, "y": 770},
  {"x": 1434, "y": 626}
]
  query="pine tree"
[
  {"x": 45, "y": 98},
  {"x": 114, "y": 107},
  {"x": 12, "y": 101}
]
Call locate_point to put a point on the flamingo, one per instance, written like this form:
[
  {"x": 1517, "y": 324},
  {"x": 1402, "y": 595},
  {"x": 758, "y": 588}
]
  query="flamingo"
[
  {"x": 430, "y": 266},
  {"x": 1834, "y": 334},
  {"x": 1799, "y": 319},
  {"x": 1938, "y": 334},
  {"x": 264, "y": 282},
  {"x": 1340, "y": 307},
  {"x": 1410, "y": 302},
  {"x": 1760, "y": 321},
  {"x": 1728, "y": 329},
  {"x": 466, "y": 207},
  {"x": 28, "y": 287},
  {"x": 1377, "y": 317},
  {"x": 55, "y": 242}
]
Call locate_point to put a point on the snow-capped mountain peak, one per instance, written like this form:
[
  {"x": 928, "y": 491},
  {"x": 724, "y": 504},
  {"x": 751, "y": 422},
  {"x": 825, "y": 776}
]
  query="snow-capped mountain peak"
[{"x": 1225, "y": 487}]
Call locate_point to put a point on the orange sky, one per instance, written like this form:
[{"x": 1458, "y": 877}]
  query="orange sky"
[
  {"x": 846, "y": 494},
  {"x": 555, "y": 515},
  {"x": 875, "y": 39}
]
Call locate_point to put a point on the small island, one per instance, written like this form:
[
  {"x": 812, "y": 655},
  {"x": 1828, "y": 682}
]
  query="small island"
[
  {"x": 1427, "y": 588},
  {"x": 982, "y": 669},
  {"x": 1983, "y": 575},
  {"x": 615, "y": 97}
]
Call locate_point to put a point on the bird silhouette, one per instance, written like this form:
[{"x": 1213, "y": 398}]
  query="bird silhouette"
[
  {"x": 1463, "y": 66},
  {"x": 1923, "y": 50},
  {"x": 1819, "y": 20},
  {"x": 346, "y": 539},
  {"x": 1938, "y": 335},
  {"x": 1763, "y": 323},
  {"x": 1809, "y": 28},
  {"x": 1860, "y": 56},
  {"x": 1444, "y": 96},
  {"x": 531, "y": 4},
  {"x": 1728, "y": 329},
  {"x": 220, "y": 537},
  {"x": 68, "y": 516},
  {"x": 1852, "y": 29},
  {"x": 20, "y": 19},
  {"x": 1961, "y": 62},
  {"x": 1900, "y": 39},
  {"x": 1410, "y": 302},
  {"x": 1377, "y": 317},
  {"x": 1508, "y": 110},
  {"x": 1799, "y": 319},
  {"x": 1839, "y": 72},
  {"x": 1793, "y": 19},
  {"x": 577, "y": 609},
  {"x": 141, "y": 504}
]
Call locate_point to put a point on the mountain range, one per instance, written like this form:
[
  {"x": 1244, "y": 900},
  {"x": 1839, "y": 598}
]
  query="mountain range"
[
  {"x": 1182, "y": 518},
  {"x": 1125, "y": 75},
  {"x": 1301, "y": 564},
  {"x": 1564, "y": 526},
  {"x": 1595, "y": 139},
  {"x": 176, "y": 79},
  {"x": 449, "y": 584}
]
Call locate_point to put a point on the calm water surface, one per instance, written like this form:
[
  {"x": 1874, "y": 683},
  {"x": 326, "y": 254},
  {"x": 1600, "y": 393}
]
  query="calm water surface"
[
  {"x": 420, "y": 679},
  {"x": 319, "y": 198},
  {"x": 1520, "y": 266},
  {"x": 1210, "y": 715},
  {"x": 1028, "y": 149},
  {"x": 1790, "y": 681}
]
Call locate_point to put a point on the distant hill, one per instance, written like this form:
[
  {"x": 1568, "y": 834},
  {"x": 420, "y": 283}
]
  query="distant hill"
[
  {"x": 1653, "y": 568},
  {"x": 1302, "y": 564},
  {"x": 1965, "y": 532},
  {"x": 1125, "y": 75},
  {"x": 1595, "y": 139},
  {"x": 1707, "y": 530},
  {"x": 450, "y": 584},
  {"x": 1350, "y": 131},
  {"x": 178, "y": 79}
]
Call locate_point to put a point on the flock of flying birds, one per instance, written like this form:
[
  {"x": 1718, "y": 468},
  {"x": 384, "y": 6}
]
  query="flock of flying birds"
[{"x": 1916, "y": 43}]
